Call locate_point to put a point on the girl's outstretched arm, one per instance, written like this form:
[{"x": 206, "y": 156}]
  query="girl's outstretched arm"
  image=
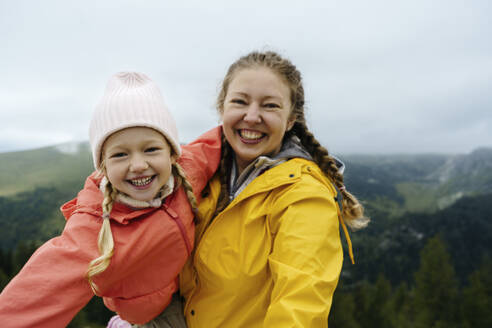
[{"x": 51, "y": 288}]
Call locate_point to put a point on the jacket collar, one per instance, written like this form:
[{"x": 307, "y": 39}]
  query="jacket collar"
[
  {"x": 89, "y": 201},
  {"x": 291, "y": 148},
  {"x": 165, "y": 191}
]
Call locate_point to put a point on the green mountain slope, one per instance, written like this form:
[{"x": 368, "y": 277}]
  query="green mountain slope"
[
  {"x": 31, "y": 216},
  {"x": 418, "y": 183},
  {"x": 65, "y": 167},
  {"x": 393, "y": 248},
  {"x": 392, "y": 183}
]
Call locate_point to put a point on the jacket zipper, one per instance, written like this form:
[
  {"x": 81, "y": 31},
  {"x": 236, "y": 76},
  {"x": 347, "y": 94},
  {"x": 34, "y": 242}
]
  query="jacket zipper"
[
  {"x": 180, "y": 225},
  {"x": 207, "y": 231}
]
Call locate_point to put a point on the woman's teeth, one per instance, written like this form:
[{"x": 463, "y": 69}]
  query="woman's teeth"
[
  {"x": 250, "y": 135},
  {"x": 141, "y": 182}
]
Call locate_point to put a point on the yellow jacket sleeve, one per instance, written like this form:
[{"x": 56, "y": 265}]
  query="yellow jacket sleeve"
[{"x": 306, "y": 259}]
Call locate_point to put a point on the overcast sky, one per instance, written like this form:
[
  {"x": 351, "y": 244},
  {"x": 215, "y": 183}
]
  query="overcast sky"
[{"x": 380, "y": 76}]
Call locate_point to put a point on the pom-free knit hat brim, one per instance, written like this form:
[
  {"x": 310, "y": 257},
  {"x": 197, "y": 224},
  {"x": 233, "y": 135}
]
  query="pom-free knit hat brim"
[{"x": 130, "y": 100}]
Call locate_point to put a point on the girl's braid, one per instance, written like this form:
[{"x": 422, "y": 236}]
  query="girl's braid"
[
  {"x": 105, "y": 241},
  {"x": 180, "y": 175}
]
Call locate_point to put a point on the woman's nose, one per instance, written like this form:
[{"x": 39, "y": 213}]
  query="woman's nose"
[{"x": 253, "y": 114}]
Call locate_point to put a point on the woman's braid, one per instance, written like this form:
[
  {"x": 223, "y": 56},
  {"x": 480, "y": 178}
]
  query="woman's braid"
[
  {"x": 224, "y": 172},
  {"x": 353, "y": 212}
]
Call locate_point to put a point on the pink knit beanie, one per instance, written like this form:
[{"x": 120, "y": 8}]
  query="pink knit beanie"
[{"x": 131, "y": 99}]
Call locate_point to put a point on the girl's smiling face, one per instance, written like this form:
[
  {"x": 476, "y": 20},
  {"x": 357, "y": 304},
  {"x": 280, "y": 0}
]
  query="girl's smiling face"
[
  {"x": 256, "y": 114},
  {"x": 138, "y": 162}
]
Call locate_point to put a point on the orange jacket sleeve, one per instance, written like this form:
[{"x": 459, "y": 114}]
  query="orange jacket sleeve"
[
  {"x": 201, "y": 158},
  {"x": 51, "y": 288}
]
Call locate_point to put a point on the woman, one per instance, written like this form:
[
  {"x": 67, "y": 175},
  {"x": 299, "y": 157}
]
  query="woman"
[{"x": 268, "y": 250}]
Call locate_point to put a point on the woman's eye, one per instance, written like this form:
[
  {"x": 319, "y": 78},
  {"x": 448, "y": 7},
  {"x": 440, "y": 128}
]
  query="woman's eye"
[
  {"x": 272, "y": 105},
  {"x": 238, "y": 101}
]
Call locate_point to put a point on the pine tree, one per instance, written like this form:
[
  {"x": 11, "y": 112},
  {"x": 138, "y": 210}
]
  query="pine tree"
[
  {"x": 6, "y": 262},
  {"x": 21, "y": 255},
  {"x": 436, "y": 290},
  {"x": 400, "y": 304},
  {"x": 477, "y": 297},
  {"x": 378, "y": 309},
  {"x": 342, "y": 310},
  {"x": 4, "y": 280}
]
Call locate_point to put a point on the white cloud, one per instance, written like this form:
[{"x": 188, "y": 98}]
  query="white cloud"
[{"x": 380, "y": 76}]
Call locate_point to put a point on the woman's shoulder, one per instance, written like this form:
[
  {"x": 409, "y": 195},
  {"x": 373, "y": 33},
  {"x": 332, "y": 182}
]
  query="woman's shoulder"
[
  {"x": 305, "y": 175},
  {"x": 296, "y": 180}
]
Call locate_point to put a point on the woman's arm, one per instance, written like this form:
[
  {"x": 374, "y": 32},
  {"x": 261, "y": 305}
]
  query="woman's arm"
[
  {"x": 50, "y": 289},
  {"x": 306, "y": 259}
]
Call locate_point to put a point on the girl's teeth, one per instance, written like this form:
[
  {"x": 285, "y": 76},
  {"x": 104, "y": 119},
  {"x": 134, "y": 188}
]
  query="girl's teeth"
[
  {"x": 247, "y": 134},
  {"x": 141, "y": 182}
]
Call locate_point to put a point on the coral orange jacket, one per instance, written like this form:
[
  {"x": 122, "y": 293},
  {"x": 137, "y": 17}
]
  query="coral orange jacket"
[{"x": 151, "y": 246}]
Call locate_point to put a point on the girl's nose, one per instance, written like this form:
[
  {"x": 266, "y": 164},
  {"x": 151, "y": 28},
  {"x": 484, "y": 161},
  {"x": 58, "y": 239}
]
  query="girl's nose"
[
  {"x": 253, "y": 114},
  {"x": 138, "y": 163}
]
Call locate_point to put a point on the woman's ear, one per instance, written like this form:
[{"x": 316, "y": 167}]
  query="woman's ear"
[{"x": 290, "y": 123}]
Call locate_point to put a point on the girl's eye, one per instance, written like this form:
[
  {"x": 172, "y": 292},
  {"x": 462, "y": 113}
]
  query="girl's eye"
[
  {"x": 151, "y": 149},
  {"x": 118, "y": 155}
]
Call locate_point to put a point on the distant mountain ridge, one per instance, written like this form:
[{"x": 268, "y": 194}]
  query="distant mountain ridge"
[{"x": 421, "y": 182}]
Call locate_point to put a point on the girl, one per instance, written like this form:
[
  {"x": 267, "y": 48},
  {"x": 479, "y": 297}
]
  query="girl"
[
  {"x": 270, "y": 255},
  {"x": 130, "y": 229}
]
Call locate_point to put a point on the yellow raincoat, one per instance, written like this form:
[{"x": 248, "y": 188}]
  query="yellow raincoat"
[{"x": 271, "y": 258}]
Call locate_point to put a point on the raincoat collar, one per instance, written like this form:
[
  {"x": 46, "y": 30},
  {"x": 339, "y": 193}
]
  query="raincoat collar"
[
  {"x": 291, "y": 148},
  {"x": 89, "y": 200},
  {"x": 165, "y": 191}
]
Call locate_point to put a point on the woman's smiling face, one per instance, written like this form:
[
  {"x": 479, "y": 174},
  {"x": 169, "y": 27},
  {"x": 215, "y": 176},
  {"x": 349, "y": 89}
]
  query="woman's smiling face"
[{"x": 256, "y": 114}]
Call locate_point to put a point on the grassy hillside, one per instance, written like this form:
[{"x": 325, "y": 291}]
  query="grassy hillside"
[
  {"x": 419, "y": 183},
  {"x": 64, "y": 166}
]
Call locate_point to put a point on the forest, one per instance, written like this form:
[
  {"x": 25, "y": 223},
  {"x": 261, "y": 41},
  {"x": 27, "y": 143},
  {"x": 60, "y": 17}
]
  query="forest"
[
  {"x": 422, "y": 270},
  {"x": 417, "y": 264}
]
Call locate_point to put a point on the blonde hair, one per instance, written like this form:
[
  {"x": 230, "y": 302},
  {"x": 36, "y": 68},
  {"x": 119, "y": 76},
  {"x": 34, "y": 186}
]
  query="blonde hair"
[
  {"x": 105, "y": 242},
  {"x": 353, "y": 211}
]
